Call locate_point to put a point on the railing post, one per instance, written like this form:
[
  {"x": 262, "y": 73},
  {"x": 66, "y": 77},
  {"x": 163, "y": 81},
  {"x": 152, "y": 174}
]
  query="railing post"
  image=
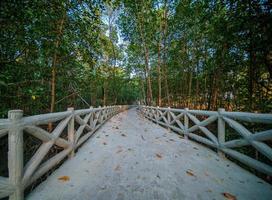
[
  {"x": 103, "y": 113},
  {"x": 221, "y": 130},
  {"x": 186, "y": 123},
  {"x": 99, "y": 117},
  {"x": 168, "y": 118},
  {"x": 92, "y": 119},
  {"x": 16, "y": 154},
  {"x": 71, "y": 132},
  {"x": 106, "y": 113},
  {"x": 157, "y": 114}
]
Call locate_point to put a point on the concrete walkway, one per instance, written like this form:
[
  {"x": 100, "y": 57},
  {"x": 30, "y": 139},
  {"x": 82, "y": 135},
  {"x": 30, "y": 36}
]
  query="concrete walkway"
[{"x": 132, "y": 158}]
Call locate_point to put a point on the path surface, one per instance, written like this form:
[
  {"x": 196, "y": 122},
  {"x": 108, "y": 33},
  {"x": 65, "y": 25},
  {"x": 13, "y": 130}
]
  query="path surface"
[{"x": 131, "y": 158}]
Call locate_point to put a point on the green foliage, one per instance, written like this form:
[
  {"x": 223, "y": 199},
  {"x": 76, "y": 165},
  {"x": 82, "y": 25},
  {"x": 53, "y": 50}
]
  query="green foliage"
[
  {"x": 214, "y": 53},
  {"x": 30, "y": 38},
  {"x": 205, "y": 54}
]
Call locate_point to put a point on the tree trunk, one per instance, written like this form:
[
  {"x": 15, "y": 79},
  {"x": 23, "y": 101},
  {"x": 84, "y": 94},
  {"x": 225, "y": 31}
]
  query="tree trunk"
[
  {"x": 166, "y": 85},
  {"x": 143, "y": 90},
  {"x": 54, "y": 69},
  {"x": 147, "y": 70},
  {"x": 159, "y": 74},
  {"x": 93, "y": 93},
  {"x": 189, "y": 96},
  {"x": 105, "y": 91},
  {"x": 197, "y": 94},
  {"x": 251, "y": 74},
  {"x": 149, "y": 87},
  {"x": 165, "y": 74}
]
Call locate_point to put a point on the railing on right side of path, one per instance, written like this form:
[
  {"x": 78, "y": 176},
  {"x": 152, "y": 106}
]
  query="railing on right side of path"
[{"x": 188, "y": 122}]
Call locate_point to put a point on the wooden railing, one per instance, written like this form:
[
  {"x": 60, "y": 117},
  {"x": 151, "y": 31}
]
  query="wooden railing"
[
  {"x": 188, "y": 123},
  {"x": 76, "y": 125}
]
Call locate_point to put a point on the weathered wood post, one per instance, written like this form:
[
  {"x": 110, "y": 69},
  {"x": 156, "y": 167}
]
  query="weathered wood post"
[
  {"x": 110, "y": 111},
  {"x": 186, "y": 123},
  {"x": 157, "y": 114},
  {"x": 100, "y": 113},
  {"x": 106, "y": 112},
  {"x": 103, "y": 114},
  {"x": 16, "y": 154},
  {"x": 71, "y": 132},
  {"x": 91, "y": 118},
  {"x": 221, "y": 131},
  {"x": 168, "y": 118}
]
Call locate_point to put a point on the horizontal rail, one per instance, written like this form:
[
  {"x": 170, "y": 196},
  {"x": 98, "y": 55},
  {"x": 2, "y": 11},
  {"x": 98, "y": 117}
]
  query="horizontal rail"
[
  {"x": 178, "y": 121},
  {"x": 22, "y": 176}
]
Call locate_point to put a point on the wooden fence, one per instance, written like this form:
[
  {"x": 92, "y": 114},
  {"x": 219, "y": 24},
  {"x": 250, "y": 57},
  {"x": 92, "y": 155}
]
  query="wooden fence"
[
  {"x": 187, "y": 122},
  {"x": 22, "y": 175}
]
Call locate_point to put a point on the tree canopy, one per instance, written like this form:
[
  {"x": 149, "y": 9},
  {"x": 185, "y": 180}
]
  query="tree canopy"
[{"x": 179, "y": 53}]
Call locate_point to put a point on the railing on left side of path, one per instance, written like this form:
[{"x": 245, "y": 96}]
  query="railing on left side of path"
[
  {"x": 22, "y": 175},
  {"x": 188, "y": 122}
]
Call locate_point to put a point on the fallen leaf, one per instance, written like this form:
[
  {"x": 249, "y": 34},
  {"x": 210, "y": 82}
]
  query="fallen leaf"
[
  {"x": 117, "y": 168},
  {"x": 142, "y": 137},
  {"x": 159, "y": 156},
  {"x": 190, "y": 173},
  {"x": 229, "y": 196},
  {"x": 119, "y": 151},
  {"x": 64, "y": 178}
]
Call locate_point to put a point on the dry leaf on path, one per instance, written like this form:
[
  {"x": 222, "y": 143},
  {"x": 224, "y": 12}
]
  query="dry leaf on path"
[
  {"x": 64, "y": 178},
  {"x": 190, "y": 173},
  {"x": 117, "y": 168},
  {"x": 159, "y": 156},
  {"x": 229, "y": 196},
  {"x": 119, "y": 151}
]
